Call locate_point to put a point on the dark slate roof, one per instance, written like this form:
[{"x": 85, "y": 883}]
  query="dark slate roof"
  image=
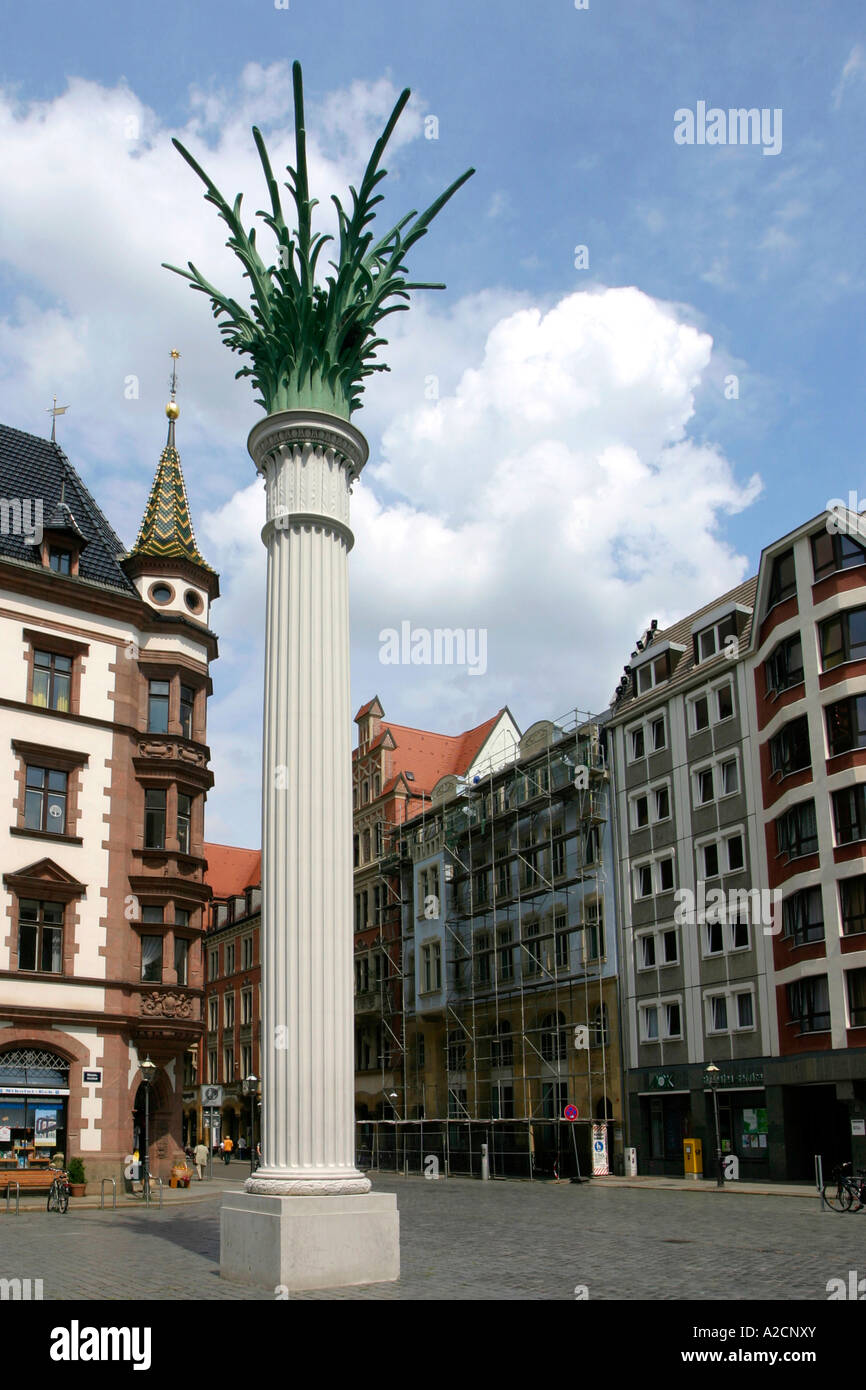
[{"x": 33, "y": 468}]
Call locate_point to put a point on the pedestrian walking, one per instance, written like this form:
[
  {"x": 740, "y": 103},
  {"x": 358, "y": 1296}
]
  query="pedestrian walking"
[
  {"x": 227, "y": 1146},
  {"x": 200, "y": 1157}
]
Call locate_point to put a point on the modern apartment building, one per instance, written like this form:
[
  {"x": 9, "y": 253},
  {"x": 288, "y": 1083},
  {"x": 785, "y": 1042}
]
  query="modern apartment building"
[
  {"x": 740, "y": 768},
  {"x": 696, "y": 976},
  {"x": 808, "y": 691},
  {"x": 104, "y": 680}
]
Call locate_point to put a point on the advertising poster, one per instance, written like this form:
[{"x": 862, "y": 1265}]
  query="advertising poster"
[{"x": 45, "y": 1127}]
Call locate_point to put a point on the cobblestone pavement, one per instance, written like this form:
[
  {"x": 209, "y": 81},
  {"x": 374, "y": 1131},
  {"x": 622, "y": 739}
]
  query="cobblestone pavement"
[{"x": 469, "y": 1240}]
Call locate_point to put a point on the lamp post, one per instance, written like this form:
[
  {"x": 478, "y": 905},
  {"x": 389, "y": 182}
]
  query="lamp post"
[
  {"x": 251, "y": 1083},
  {"x": 148, "y": 1072},
  {"x": 713, "y": 1073}
]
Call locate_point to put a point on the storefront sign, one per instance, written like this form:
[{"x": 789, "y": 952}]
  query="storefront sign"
[
  {"x": 668, "y": 1081},
  {"x": 734, "y": 1076},
  {"x": 34, "y": 1090},
  {"x": 858, "y": 1126}
]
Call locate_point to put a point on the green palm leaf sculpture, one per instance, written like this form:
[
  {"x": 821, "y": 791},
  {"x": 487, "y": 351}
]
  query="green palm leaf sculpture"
[{"x": 311, "y": 345}]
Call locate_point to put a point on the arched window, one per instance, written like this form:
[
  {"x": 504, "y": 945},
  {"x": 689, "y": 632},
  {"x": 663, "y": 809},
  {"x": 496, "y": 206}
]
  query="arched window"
[{"x": 553, "y": 1039}]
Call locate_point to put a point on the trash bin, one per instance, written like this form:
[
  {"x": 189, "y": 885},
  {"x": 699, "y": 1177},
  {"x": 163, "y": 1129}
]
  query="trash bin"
[
  {"x": 631, "y": 1163},
  {"x": 693, "y": 1158}
]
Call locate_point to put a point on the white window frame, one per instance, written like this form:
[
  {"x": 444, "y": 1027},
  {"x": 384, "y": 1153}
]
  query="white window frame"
[
  {"x": 732, "y": 1009},
  {"x": 654, "y": 863},
  {"x": 720, "y": 839},
  {"x": 711, "y": 694},
  {"x": 715, "y": 765},
  {"x": 657, "y": 934},
  {"x": 645, "y": 724}
]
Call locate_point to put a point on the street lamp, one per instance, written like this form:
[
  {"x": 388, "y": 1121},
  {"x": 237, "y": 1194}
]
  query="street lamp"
[
  {"x": 148, "y": 1072},
  {"x": 713, "y": 1073},
  {"x": 251, "y": 1083}
]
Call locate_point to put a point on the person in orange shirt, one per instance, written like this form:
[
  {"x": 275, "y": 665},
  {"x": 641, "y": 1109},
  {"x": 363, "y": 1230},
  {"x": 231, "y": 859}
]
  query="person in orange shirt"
[{"x": 228, "y": 1145}]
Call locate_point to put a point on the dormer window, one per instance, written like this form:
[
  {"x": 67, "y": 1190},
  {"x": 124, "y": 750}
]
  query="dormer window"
[
  {"x": 712, "y": 640},
  {"x": 60, "y": 560},
  {"x": 652, "y": 673}
]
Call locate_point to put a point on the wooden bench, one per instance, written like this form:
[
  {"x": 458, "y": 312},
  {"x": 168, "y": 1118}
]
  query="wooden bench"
[{"x": 30, "y": 1179}]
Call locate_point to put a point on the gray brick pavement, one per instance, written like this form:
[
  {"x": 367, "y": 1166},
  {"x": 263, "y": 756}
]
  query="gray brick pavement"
[{"x": 467, "y": 1240}]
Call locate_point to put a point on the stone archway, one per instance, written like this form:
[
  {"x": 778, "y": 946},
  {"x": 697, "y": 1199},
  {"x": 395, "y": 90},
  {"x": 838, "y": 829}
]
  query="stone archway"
[{"x": 158, "y": 1113}]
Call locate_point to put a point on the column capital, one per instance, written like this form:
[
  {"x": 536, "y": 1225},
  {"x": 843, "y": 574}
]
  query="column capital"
[{"x": 290, "y": 429}]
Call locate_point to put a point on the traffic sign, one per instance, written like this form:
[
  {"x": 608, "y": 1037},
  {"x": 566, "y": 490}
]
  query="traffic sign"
[{"x": 571, "y": 1112}]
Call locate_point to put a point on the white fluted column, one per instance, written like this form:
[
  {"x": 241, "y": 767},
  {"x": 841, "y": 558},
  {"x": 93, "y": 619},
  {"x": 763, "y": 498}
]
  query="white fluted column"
[{"x": 308, "y": 460}]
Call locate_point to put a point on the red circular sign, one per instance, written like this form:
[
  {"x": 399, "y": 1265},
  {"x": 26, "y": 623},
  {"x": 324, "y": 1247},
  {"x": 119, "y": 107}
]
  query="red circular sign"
[{"x": 570, "y": 1112}]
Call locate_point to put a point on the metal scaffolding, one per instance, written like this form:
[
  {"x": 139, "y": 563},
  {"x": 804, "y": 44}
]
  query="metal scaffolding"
[{"x": 524, "y": 903}]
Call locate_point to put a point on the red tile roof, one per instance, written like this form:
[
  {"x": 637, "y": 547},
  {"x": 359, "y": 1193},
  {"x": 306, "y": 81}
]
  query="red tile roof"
[
  {"x": 231, "y": 870},
  {"x": 430, "y": 756}
]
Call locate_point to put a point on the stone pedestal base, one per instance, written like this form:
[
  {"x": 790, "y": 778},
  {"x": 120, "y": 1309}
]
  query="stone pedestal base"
[{"x": 309, "y": 1242}]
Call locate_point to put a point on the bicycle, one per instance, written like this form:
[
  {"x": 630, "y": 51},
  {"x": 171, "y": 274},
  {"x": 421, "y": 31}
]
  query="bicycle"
[
  {"x": 58, "y": 1195},
  {"x": 845, "y": 1189}
]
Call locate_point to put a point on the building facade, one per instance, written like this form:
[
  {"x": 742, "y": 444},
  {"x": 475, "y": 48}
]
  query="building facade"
[
  {"x": 104, "y": 682},
  {"x": 231, "y": 1055},
  {"x": 508, "y": 971},
  {"x": 737, "y": 747},
  {"x": 808, "y": 694}
]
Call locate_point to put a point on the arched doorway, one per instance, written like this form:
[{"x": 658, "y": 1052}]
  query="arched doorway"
[{"x": 153, "y": 1112}]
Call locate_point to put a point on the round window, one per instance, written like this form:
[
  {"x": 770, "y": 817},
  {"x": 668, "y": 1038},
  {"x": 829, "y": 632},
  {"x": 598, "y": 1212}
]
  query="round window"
[
  {"x": 161, "y": 593},
  {"x": 192, "y": 600}
]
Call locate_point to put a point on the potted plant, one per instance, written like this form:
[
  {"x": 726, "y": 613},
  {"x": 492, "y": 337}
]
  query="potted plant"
[{"x": 77, "y": 1178}]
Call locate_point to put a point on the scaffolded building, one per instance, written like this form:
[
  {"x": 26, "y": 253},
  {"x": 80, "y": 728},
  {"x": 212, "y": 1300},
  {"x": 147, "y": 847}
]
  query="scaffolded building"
[{"x": 498, "y": 1019}]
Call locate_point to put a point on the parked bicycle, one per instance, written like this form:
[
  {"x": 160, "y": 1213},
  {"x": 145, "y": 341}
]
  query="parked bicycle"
[
  {"x": 58, "y": 1193},
  {"x": 846, "y": 1191}
]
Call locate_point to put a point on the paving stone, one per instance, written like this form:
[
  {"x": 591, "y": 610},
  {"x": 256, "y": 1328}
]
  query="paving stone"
[{"x": 465, "y": 1240}]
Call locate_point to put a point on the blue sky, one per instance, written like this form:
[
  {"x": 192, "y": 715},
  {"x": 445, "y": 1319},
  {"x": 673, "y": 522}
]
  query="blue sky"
[{"x": 581, "y": 469}]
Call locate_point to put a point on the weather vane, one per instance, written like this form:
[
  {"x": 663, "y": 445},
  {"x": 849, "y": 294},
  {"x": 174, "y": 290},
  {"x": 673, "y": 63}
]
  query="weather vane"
[{"x": 55, "y": 410}]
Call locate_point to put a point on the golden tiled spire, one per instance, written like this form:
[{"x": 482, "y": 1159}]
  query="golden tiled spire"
[{"x": 166, "y": 528}]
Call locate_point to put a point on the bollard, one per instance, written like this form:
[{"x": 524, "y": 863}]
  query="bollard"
[
  {"x": 17, "y": 1187},
  {"x": 819, "y": 1180},
  {"x": 485, "y": 1164}
]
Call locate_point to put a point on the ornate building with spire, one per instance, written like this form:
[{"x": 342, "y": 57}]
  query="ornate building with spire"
[{"x": 104, "y": 770}]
